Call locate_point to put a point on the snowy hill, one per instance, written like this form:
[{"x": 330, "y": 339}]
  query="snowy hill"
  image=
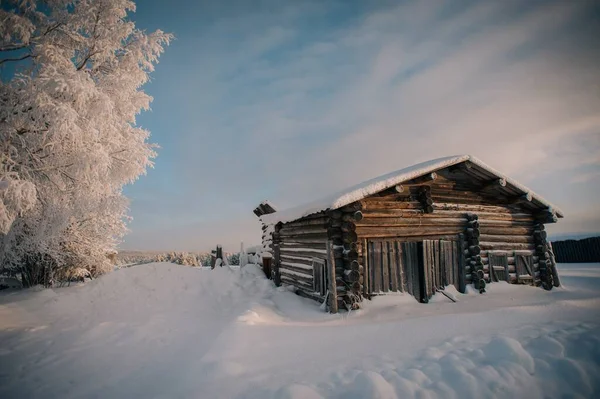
[{"x": 163, "y": 330}]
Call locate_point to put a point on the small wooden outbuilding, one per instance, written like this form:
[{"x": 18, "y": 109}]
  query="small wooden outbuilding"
[{"x": 449, "y": 221}]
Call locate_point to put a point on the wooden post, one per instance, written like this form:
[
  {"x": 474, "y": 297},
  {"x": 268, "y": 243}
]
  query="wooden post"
[{"x": 331, "y": 285}]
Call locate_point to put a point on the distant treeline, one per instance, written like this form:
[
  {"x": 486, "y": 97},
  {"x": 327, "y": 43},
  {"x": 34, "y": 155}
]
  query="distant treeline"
[
  {"x": 182, "y": 258},
  {"x": 577, "y": 251}
]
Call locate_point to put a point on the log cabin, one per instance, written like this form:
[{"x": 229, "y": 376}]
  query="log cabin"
[{"x": 449, "y": 221}]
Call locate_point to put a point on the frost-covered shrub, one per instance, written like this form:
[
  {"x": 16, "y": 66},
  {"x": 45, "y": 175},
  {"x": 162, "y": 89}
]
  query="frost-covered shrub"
[{"x": 68, "y": 135}]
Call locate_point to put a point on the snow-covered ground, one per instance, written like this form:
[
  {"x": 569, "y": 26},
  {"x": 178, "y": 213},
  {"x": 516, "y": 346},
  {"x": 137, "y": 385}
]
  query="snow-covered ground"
[{"x": 163, "y": 330}]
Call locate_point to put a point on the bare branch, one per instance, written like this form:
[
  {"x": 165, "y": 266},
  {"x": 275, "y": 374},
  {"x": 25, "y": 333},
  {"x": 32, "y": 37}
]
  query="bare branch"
[{"x": 16, "y": 59}]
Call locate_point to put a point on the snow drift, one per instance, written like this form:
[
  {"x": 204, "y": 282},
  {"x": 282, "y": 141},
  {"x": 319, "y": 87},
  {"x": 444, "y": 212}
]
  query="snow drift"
[{"x": 164, "y": 330}]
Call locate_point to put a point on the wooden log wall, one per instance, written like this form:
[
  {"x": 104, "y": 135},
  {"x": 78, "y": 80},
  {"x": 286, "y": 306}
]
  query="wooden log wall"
[
  {"x": 349, "y": 273},
  {"x": 298, "y": 243},
  {"x": 547, "y": 269},
  {"x": 472, "y": 252},
  {"x": 502, "y": 225}
]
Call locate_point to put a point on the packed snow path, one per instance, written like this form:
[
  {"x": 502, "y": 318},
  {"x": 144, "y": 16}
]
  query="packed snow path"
[{"x": 162, "y": 330}]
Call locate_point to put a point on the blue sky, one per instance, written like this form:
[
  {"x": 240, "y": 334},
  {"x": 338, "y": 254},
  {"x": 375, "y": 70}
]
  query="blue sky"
[{"x": 284, "y": 100}]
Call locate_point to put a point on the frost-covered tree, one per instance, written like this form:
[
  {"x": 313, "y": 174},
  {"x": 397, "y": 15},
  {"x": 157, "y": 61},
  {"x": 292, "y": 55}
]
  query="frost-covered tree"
[{"x": 72, "y": 72}]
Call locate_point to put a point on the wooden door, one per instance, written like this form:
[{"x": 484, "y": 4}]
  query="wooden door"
[
  {"x": 441, "y": 265},
  {"x": 524, "y": 269},
  {"x": 392, "y": 266},
  {"x": 498, "y": 267}
]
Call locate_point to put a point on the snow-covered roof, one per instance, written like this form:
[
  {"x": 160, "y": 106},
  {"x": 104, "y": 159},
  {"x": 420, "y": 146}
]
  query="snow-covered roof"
[{"x": 373, "y": 186}]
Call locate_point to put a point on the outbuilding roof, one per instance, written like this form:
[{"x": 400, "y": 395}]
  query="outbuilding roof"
[{"x": 373, "y": 186}]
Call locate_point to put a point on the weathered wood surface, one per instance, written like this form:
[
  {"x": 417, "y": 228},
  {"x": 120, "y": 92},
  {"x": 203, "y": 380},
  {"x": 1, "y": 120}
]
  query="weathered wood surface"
[{"x": 332, "y": 300}]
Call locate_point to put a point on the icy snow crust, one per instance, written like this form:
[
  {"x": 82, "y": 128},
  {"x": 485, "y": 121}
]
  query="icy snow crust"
[
  {"x": 380, "y": 183},
  {"x": 162, "y": 330}
]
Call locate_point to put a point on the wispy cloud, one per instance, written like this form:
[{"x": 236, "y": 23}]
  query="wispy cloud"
[{"x": 287, "y": 101}]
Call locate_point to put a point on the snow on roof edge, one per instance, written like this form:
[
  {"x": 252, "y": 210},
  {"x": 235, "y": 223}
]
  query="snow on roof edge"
[{"x": 375, "y": 185}]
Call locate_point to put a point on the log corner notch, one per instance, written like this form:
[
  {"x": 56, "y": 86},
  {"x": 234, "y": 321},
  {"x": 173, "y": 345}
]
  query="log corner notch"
[
  {"x": 547, "y": 215},
  {"x": 548, "y": 272},
  {"x": 472, "y": 252},
  {"x": 424, "y": 197},
  {"x": 344, "y": 255},
  {"x": 265, "y": 208}
]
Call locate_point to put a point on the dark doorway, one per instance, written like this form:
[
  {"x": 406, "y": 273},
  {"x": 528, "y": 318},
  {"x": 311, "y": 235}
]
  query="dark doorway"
[{"x": 415, "y": 267}]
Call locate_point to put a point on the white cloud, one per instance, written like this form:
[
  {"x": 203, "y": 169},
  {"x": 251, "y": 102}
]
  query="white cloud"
[{"x": 514, "y": 84}]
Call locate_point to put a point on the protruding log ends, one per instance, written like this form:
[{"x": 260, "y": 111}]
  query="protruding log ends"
[
  {"x": 473, "y": 251},
  {"x": 353, "y": 207},
  {"x": 351, "y": 276},
  {"x": 342, "y": 234},
  {"x": 353, "y": 217},
  {"x": 426, "y": 178},
  {"x": 348, "y": 227},
  {"x": 471, "y": 217},
  {"x": 349, "y": 238},
  {"x": 501, "y": 182},
  {"x": 473, "y": 232},
  {"x": 547, "y": 215},
  {"x": 392, "y": 190},
  {"x": 350, "y": 255},
  {"x": 424, "y": 197},
  {"x": 542, "y": 249},
  {"x": 540, "y": 235}
]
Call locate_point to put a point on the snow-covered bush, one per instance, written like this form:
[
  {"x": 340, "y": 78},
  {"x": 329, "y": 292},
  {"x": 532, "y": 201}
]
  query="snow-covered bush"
[
  {"x": 68, "y": 135},
  {"x": 233, "y": 259}
]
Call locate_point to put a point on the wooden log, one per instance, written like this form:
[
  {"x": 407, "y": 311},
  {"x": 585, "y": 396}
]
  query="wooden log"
[
  {"x": 427, "y": 202},
  {"x": 351, "y": 275},
  {"x": 352, "y": 265},
  {"x": 348, "y": 227},
  {"x": 353, "y": 207},
  {"x": 305, "y": 234},
  {"x": 318, "y": 221},
  {"x": 540, "y": 235},
  {"x": 298, "y": 284},
  {"x": 473, "y": 232},
  {"x": 521, "y": 199},
  {"x": 486, "y": 245},
  {"x": 336, "y": 214},
  {"x": 332, "y": 295},
  {"x": 303, "y": 252},
  {"x": 295, "y": 267},
  {"x": 422, "y": 179},
  {"x": 516, "y": 230},
  {"x": 285, "y": 244},
  {"x": 525, "y": 239},
  {"x": 308, "y": 229},
  {"x": 410, "y": 221},
  {"x": 353, "y": 217},
  {"x": 303, "y": 240},
  {"x": 474, "y": 250},
  {"x": 295, "y": 275},
  {"x": 296, "y": 259},
  {"x": 494, "y": 183},
  {"x": 350, "y": 237},
  {"x": 472, "y": 217},
  {"x": 428, "y": 209},
  {"x": 338, "y": 251},
  {"x": 350, "y": 255},
  {"x": 473, "y": 208},
  {"x": 372, "y": 231}
]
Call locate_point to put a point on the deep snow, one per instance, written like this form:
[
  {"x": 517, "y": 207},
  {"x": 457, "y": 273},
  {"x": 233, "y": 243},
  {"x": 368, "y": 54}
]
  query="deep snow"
[{"x": 163, "y": 330}]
